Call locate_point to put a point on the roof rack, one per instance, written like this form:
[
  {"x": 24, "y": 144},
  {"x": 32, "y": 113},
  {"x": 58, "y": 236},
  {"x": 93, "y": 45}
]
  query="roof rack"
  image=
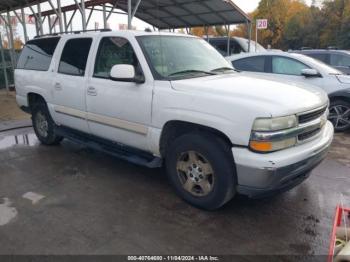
[{"x": 75, "y": 32}]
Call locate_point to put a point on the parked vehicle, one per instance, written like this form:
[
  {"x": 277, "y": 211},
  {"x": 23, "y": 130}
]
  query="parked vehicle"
[
  {"x": 303, "y": 69},
  {"x": 237, "y": 45},
  {"x": 154, "y": 98},
  {"x": 339, "y": 59}
]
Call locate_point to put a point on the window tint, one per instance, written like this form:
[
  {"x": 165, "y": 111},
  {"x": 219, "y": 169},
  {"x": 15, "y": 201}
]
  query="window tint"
[
  {"x": 340, "y": 60},
  {"x": 74, "y": 56},
  {"x": 287, "y": 66},
  {"x": 321, "y": 57},
  {"x": 221, "y": 46},
  {"x": 37, "y": 54},
  {"x": 252, "y": 64},
  {"x": 114, "y": 51}
]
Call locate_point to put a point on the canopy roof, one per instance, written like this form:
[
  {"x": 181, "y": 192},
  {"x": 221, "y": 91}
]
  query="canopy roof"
[
  {"x": 188, "y": 13},
  {"x": 163, "y": 14}
]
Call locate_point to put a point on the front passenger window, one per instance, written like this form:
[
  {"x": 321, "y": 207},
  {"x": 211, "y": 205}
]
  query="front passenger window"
[
  {"x": 114, "y": 51},
  {"x": 287, "y": 66}
]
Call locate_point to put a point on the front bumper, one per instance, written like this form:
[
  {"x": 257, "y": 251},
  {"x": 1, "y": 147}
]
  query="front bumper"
[{"x": 259, "y": 175}]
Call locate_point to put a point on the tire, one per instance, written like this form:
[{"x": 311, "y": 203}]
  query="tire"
[
  {"x": 205, "y": 186},
  {"x": 44, "y": 126},
  {"x": 339, "y": 115}
]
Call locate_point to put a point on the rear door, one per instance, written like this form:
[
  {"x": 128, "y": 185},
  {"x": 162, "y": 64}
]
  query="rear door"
[
  {"x": 256, "y": 64},
  {"x": 69, "y": 84},
  {"x": 340, "y": 62}
]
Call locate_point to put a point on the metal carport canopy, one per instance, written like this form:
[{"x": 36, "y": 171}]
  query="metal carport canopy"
[{"x": 165, "y": 14}]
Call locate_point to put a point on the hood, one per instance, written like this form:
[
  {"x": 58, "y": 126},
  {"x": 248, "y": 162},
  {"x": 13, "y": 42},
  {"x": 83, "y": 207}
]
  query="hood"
[{"x": 269, "y": 96}]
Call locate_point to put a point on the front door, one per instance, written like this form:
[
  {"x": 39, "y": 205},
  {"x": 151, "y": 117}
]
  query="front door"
[{"x": 118, "y": 111}]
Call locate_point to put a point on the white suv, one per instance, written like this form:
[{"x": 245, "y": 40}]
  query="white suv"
[{"x": 152, "y": 98}]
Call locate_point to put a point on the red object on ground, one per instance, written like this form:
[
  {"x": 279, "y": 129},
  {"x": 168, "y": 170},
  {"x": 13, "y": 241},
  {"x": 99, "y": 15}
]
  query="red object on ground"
[{"x": 337, "y": 222}]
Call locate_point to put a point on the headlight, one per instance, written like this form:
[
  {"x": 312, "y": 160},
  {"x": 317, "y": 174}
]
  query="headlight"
[
  {"x": 274, "y": 124},
  {"x": 266, "y": 128}
]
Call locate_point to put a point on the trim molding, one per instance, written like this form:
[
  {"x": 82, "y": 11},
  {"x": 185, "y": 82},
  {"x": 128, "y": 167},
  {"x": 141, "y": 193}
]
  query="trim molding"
[{"x": 104, "y": 120}]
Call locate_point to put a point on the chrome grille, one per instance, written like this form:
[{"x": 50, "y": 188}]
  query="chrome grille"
[
  {"x": 309, "y": 134},
  {"x": 307, "y": 117},
  {"x": 314, "y": 120}
]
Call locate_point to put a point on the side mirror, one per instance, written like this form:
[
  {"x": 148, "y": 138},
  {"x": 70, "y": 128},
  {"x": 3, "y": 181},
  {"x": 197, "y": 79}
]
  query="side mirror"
[
  {"x": 125, "y": 73},
  {"x": 310, "y": 73}
]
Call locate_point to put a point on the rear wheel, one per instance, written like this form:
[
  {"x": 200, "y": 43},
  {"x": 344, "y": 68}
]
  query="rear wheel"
[
  {"x": 201, "y": 169},
  {"x": 339, "y": 115},
  {"x": 43, "y": 125}
]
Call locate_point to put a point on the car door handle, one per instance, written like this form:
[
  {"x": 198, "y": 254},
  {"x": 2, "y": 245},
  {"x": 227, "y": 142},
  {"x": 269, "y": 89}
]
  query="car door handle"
[
  {"x": 91, "y": 91},
  {"x": 58, "y": 86}
]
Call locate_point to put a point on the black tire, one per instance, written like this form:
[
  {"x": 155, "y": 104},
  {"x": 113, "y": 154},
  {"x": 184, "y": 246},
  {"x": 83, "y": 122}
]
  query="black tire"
[
  {"x": 215, "y": 152},
  {"x": 339, "y": 114},
  {"x": 40, "y": 111}
]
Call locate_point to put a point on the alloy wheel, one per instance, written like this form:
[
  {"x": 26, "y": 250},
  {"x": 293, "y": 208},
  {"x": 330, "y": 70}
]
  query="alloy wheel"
[
  {"x": 195, "y": 173},
  {"x": 339, "y": 115},
  {"x": 42, "y": 124}
]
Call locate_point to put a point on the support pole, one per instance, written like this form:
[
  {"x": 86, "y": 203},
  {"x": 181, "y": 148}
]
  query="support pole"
[
  {"x": 59, "y": 14},
  {"x": 228, "y": 40},
  {"x": 135, "y": 8},
  {"x": 104, "y": 16},
  {"x": 24, "y": 24},
  {"x": 11, "y": 41},
  {"x": 89, "y": 16},
  {"x": 256, "y": 36},
  {"x": 4, "y": 66},
  {"x": 129, "y": 15},
  {"x": 65, "y": 22},
  {"x": 49, "y": 22},
  {"x": 83, "y": 15},
  {"x": 40, "y": 20},
  {"x": 249, "y": 29}
]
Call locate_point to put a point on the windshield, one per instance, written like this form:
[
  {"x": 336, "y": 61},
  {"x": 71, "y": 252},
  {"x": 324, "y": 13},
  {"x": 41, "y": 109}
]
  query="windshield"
[{"x": 178, "y": 57}]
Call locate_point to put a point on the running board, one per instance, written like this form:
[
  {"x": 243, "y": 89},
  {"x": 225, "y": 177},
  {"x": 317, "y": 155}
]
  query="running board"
[{"x": 118, "y": 150}]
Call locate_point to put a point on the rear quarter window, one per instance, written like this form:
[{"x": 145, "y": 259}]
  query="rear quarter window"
[{"x": 37, "y": 54}]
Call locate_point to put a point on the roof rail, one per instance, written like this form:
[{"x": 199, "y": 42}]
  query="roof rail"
[{"x": 74, "y": 32}]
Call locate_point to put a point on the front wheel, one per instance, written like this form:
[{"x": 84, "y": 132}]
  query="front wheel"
[
  {"x": 201, "y": 169},
  {"x": 44, "y": 126},
  {"x": 339, "y": 115}
]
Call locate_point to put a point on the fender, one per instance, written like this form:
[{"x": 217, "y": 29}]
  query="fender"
[{"x": 344, "y": 93}]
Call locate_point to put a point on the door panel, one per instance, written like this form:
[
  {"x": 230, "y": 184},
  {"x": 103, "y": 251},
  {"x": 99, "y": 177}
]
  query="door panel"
[
  {"x": 69, "y": 84},
  {"x": 118, "y": 111}
]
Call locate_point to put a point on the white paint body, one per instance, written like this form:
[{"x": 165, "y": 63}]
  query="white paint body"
[
  {"x": 135, "y": 114},
  {"x": 330, "y": 80}
]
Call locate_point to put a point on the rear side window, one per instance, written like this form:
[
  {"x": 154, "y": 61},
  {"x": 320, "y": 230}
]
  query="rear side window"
[
  {"x": 251, "y": 64},
  {"x": 340, "y": 60},
  {"x": 37, "y": 54},
  {"x": 321, "y": 57},
  {"x": 74, "y": 56}
]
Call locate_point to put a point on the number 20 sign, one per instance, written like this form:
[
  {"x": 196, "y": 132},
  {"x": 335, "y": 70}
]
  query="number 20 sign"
[{"x": 261, "y": 23}]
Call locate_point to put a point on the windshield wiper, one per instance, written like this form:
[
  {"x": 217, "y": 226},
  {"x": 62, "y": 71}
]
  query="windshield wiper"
[
  {"x": 192, "y": 71},
  {"x": 225, "y": 68}
]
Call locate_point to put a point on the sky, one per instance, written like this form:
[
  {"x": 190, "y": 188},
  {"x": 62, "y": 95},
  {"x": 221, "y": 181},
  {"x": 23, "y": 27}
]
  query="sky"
[{"x": 246, "y": 5}]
